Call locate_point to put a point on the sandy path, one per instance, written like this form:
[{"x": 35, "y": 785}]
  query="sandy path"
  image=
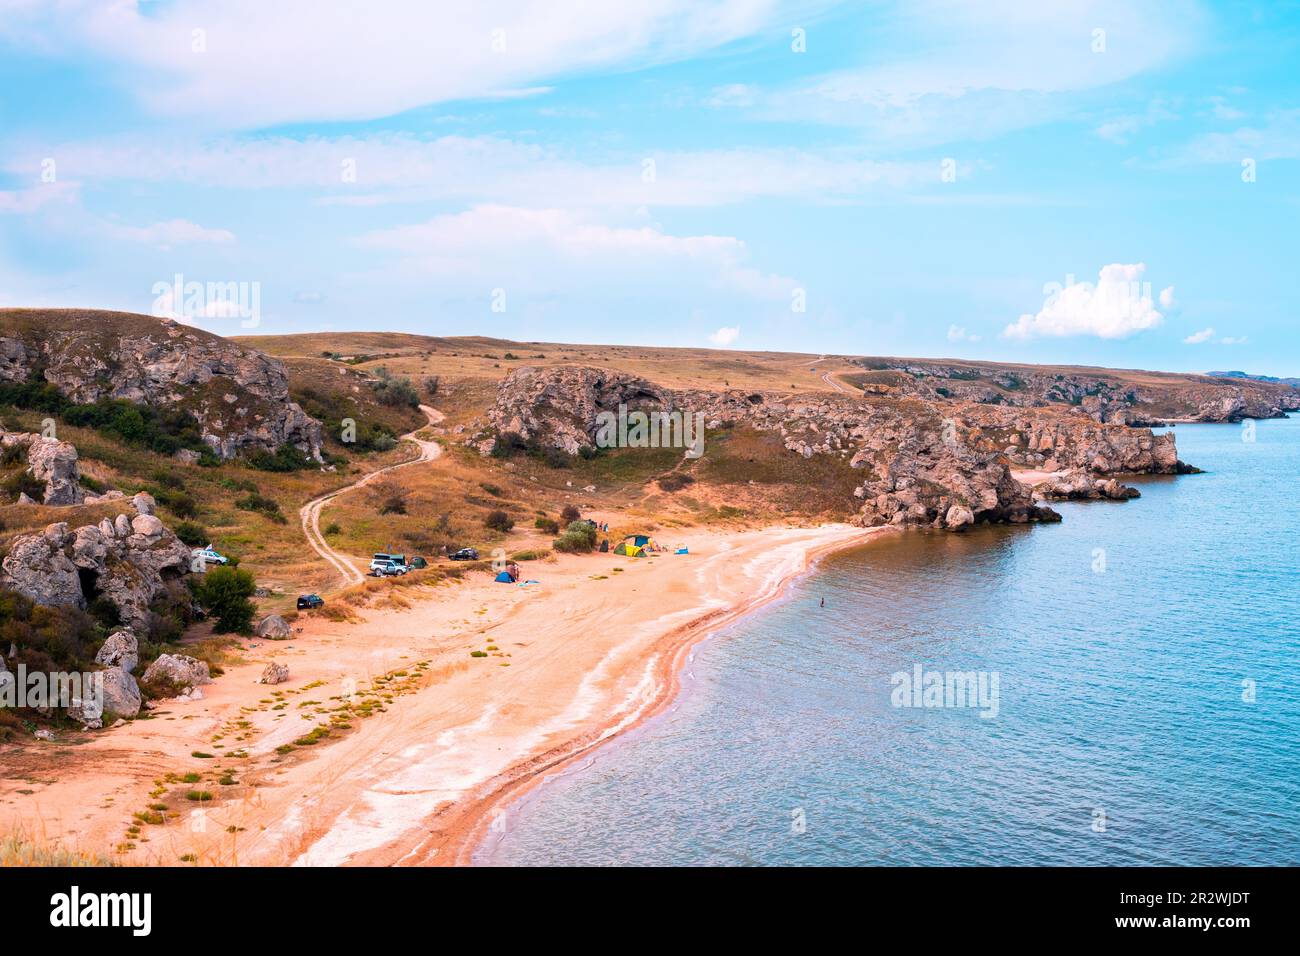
[
  {"x": 311, "y": 511},
  {"x": 581, "y": 656}
]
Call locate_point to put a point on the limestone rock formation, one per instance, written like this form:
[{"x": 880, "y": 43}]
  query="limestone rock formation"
[
  {"x": 558, "y": 406},
  {"x": 177, "y": 672},
  {"x": 129, "y": 562},
  {"x": 238, "y": 396},
  {"x": 52, "y": 462},
  {"x": 121, "y": 649},
  {"x": 1081, "y": 486},
  {"x": 122, "y": 696}
]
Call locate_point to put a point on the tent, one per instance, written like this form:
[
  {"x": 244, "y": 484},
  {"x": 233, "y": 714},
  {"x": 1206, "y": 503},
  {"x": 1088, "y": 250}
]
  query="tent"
[
  {"x": 630, "y": 550},
  {"x": 505, "y": 577}
]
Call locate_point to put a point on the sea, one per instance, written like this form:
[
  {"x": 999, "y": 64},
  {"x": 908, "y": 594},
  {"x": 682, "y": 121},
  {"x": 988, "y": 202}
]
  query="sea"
[{"x": 1119, "y": 689}]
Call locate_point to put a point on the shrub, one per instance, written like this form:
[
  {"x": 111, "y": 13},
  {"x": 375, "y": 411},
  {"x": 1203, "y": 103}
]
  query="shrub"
[
  {"x": 529, "y": 555},
  {"x": 393, "y": 506},
  {"x": 494, "y": 490},
  {"x": 499, "y": 521},
  {"x": 675, "y": 482},
  {"x": 395, "y": 392},
  {"x": 225, "y": 592},
  {"x": 21, "y": 483},
  {"x": 430, "y": 384},
  {"x": 268, "y": 507},
  {"x": 578, "y": 538},
  {"x": 192, "y": 533},
  {"x": 333, "y": 528},
  {"x": 547, "y": 525},
  {"x": 286, "y": 458},
  {"x": 569, "y": 514}
]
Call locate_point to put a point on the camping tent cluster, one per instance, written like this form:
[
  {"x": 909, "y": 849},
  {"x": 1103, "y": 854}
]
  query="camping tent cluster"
[{"x": 637, "y": 546}]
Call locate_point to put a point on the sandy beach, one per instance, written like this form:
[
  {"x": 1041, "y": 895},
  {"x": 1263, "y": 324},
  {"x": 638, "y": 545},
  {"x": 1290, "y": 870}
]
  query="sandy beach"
[{"x": 593, "y": 648}]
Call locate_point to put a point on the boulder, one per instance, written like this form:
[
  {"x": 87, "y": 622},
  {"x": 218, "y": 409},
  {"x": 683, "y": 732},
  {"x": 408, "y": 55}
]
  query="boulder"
[
  {"x": 121, "y": 693},
  {"x": 55, "y": 463},
  {"x": 144, "y": 503},
  {"x": 273, "y": 627},
  {"x": 176, "y": 673},
  {"x": 122, "y": 649},
  {"x": 274, "y": 673}
]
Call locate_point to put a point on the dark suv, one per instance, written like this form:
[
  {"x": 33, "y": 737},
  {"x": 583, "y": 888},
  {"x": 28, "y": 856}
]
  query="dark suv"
[
  {"x": 464, "y": 554},
  {"x": 308, "y": 601}
]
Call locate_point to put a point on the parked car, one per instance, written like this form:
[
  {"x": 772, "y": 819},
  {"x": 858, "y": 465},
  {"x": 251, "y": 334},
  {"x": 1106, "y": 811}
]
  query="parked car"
[
  {"x": 387, "y": 569},
  {"x": 384, "y": 562},
  {"x": 210, "y": 555},
  {"x": 308, "y": 601},
  {"x": 464, "y": 554}
]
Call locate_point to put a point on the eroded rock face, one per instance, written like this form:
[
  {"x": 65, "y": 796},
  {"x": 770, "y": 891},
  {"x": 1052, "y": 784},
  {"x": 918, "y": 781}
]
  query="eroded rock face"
[
  {"x": 52, "y": 462},
  {"x": 177, "y": 672},
  {"x": 89, "y": 355},
  {"x": 130, "y": 562},
  {"x": 1081, "y": 486}
]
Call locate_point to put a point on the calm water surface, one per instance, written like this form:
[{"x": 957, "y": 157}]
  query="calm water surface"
[{"x": 1122, "y": 735}]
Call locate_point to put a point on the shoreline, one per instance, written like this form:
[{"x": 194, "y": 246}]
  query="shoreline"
[
  {"x": 505, "y": 685},
  {"x": 676, "y": 648}
]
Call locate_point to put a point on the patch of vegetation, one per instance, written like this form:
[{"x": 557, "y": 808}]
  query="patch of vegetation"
[
  {"x": 192, "y": 533},
  {"x": 394, "y": 391},
  {"x": 286, "y": 458},
  {"x": 224, "y": 592},
  {"x": 267, "y": 507},
  {"x": 547, "y": 525},
  {"x": 578, "y": 538},
  {"x": 499, "y": 521}
]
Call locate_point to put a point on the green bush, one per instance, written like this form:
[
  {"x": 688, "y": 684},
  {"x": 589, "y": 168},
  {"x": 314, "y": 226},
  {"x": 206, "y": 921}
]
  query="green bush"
[
  {"x": 286, "y": 458},
  {"x": 499, "y": 521},
  {"x": 263, "y": 505},
  {"x": 224, "y": 593},
  {"x": 547, "y": 525},
  {"x": 192, "y": 533},
  {"x": 578, "y": 538}
]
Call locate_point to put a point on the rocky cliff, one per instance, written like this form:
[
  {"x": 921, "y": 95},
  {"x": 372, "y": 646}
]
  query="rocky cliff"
[
  {"x": 1106, "y": 396},
  {"x": 52, "y": 462},
  {"x": 239, "y": 397}
]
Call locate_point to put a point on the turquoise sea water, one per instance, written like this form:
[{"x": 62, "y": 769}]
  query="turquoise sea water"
[{"x": 1122, "y": 735}]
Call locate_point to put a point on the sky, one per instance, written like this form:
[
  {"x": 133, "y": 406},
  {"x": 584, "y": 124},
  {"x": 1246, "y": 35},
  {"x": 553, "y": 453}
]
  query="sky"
[{"x": 1104, "y": 183}]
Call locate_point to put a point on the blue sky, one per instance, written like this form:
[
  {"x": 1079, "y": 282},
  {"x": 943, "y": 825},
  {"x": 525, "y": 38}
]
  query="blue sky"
[{"x": 1099, "y": 183}]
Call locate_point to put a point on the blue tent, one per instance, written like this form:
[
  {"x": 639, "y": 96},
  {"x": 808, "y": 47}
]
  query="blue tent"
[{"x": 506, "y": 577}]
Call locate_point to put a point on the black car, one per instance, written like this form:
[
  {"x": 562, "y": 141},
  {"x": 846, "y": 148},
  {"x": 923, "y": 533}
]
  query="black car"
[
  {"x": 464, "y": 554},
  {"x": 309, "y": 601}
]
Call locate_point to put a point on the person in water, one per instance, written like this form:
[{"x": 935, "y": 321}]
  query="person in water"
[{"x": 823, "y": 602}]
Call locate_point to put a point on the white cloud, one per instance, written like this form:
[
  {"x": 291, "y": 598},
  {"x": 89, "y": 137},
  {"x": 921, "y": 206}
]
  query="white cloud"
[
  {"x": 976, "y": 68},
  {"x": 1233, "y": 340},
  {"x": 1197, "y": 338},
  {"x": 565, "y": 254},
  {"x": 169, "y": 233},
  {"x": 299, "y": 60},
  {"x": 1276, "y": 137},
  {"x": 1167, "y": 301},
  {"x": 1118, "y": 306},
  {"x": 725, "y": 335},
  {"x": 959, "y": 334}
]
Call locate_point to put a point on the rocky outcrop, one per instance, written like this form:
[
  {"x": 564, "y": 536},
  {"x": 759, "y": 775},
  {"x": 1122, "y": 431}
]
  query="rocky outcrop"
[
  {"x": 174, "y": 674},
  {"x": 1107, "y": 397},
  {"x": 557, "y": 406},
  {"x": 1081, "y": 486},
  {"x": 1054, "y": 441},
  {"x": 238, "y": 396},
  {"x": 51, "y": 462},
  {"x": 122, "y": 696},
  {"x": 129, "y": 561},
  {"x": 273, "y": 627}
]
